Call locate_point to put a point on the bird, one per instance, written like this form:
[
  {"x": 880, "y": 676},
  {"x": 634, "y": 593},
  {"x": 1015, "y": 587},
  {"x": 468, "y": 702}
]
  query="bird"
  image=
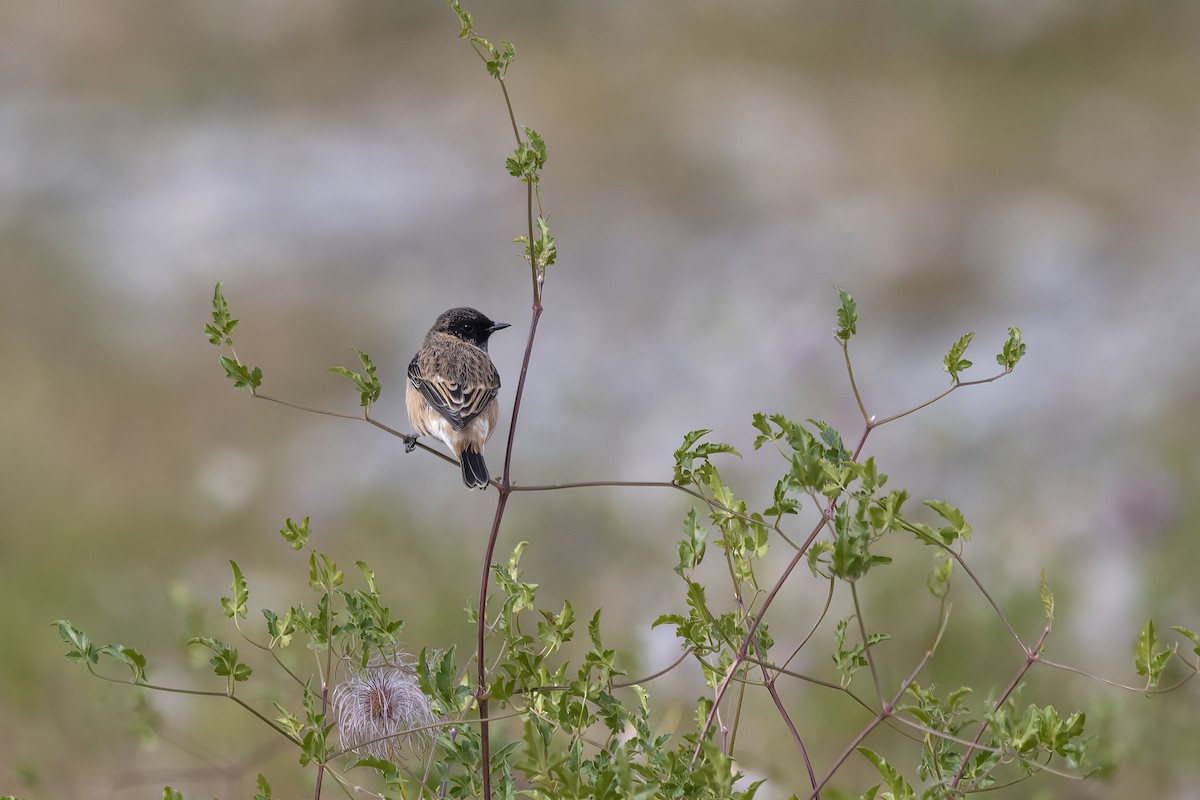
[{"x": 452, "y": 388}]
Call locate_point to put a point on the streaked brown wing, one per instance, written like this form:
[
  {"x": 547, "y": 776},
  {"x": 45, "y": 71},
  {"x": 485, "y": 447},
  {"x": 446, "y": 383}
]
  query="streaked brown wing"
[{"x": 457, "y": 379}]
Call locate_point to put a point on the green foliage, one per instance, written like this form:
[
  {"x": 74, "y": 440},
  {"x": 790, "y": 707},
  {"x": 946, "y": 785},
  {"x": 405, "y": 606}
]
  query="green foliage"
[
  {"x": 1047, "y": 599},
  {"x": 847, "y": 317},
  {"x": 954, "y": 362},
  {"x": 81, "y": 650},
  {"x": 898, "y": 788},
  {"x": 367, "y": 384},
  {"x": 1150, "y": 659},
  {"x": 528, "y": 159},
  {"x": 563, "y": 721},
  {"x": 220, "y": 333},
  {"x": 496, "y": 60},
  {"x": 241, "y": 375},
  {"x": 1013, "y": 351},
  {"x": 1191, "y": 636},
  {"x": 579, "y": 731},
  {"x": 949, "y": 716},
  {"x": 220, "y": 330},
  {"x": 225, "y": 662},
  {"x": 236, "y": 606},
  {"x": 264, "y": 788},
  {"x": 296, "y": 534}
]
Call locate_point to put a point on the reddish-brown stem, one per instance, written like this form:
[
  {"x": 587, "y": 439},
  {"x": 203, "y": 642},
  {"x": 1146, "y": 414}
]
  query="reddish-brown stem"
[
  {"x": 769, "y": 680},
  {"x": 505, "y": 489},
  {"x": 884, "y": 714},
  {"x": 742, "y": 651},
  {"x": 1031, "y": 655}
]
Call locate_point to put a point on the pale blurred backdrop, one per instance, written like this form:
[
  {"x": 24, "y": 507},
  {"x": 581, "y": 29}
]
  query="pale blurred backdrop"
[{"x": 715, "y": 170}]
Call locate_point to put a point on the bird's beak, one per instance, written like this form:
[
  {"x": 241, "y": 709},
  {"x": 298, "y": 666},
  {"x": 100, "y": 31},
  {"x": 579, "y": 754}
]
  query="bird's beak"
[{"x": 498, "y": 326}]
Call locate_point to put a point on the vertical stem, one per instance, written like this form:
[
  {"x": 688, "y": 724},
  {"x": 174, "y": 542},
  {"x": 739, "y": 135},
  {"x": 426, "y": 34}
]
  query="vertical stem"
[
  {"x": 505, "y": 489},
  {"x": 480, "y": 631},
  {"x": 325, "y": 686}
]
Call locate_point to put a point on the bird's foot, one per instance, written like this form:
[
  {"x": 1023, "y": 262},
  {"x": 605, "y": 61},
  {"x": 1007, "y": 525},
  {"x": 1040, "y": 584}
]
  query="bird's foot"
[{"x": 410, "y": 443}]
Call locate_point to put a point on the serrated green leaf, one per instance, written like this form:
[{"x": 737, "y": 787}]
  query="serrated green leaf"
[
  {"x": 368, "y": 575},
  {"x": 898, "y": 787},
  {"x": 127, "y": 656},
  {"x": 82, "y": 646},
  {"x": 1013, "y": 350},
  {"x": 847, "y": 316},
  {"x": 236, "y": 605},
  {"x": 954, "y": 363},
  {"x": 938, "y": 581},
  {"x": 958, "y": 528},
  {"x": 295, "y": 534},
  {"x": 264, "y": 788},
  {"x": 220, "y": 330},
  {"x": 241, "y": 375},
  {"x": 1193, "y": 637},
  {"x": 1047, "y": 598},
  {"x": 1149, "y": 659},
  {"x": 367, "y": 384},
  {"x": 323, "y": 574}
]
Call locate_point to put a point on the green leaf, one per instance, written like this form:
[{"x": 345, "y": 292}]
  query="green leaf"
[
  {"x": 220, "y": 330},
  {"x": 899, "y": 788},
  {"x": 367, "y": 384},
  {"x": 368, "y": 575},
  {"x": 815, "y": 551},
  {"x": 689, "y": 452},
  {"x": 528, "y": 159},
  {"x": 289, "y": 722},
  {"x": 847, "y": 660},
  {"x": 1192, "y": 636},
  {"x": 958, "y": 528},
  {"x": 556, "y": 629},
  {"x": 1012, "y": 351},
  {"x": 241, "y": 375},
  {"x": 323, "y": 574},
  {"x": 497, "y": 65},
  {"x": 236, "y": 605},
  {"x": 225, "y": 663},
  {"x": 939, "y": 580},
  {"x": 171, "y": 794},
  {"x": 464, "y": 18},
  {"x": 127, "y": 656},
  {"x": 264, "y": 788},
  {"x": 1149, "y": 659},
  {"x": 847, "y": 316},
  {"x": 1047, "y": 599},
  {"x": 81, "y": 646},
  {"x": 692, "y": 546},
  {"x": 545, "y": 252},
  {"x": 280, "y": 631},
  {"x": 295, "y": 534},
  {"x": 954, "y": 361}
]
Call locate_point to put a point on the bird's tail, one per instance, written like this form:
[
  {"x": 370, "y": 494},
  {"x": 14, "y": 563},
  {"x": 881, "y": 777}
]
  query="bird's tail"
[{"x": 474, "y": 468}]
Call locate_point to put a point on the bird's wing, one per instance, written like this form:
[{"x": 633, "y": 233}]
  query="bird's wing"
[{"x": 458, "y": 380}]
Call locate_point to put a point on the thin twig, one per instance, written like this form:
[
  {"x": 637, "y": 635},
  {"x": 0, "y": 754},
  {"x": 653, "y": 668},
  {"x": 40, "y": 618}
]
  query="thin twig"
[
  {"x": 862, "y": 630},
  {"x": 885, "y": 712},
  {"x": 1031, "y": 655}
]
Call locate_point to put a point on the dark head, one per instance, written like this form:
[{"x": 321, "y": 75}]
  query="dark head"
[{"x": 468, "y": 325}]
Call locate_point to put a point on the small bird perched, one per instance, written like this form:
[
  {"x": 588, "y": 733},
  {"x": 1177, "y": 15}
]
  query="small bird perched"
[{"x": 452, "y": 387}]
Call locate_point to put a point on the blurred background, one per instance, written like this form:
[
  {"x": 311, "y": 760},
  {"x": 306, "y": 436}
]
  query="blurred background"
[{"x": 714, "y": 172}]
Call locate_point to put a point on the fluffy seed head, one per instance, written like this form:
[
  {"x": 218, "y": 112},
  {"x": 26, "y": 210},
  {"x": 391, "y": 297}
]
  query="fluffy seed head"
[{"x": 378, "y": 707}]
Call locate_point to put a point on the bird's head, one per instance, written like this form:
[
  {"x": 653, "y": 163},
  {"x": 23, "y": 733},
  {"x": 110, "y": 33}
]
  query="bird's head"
[{"x": 469, "y": 325}]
